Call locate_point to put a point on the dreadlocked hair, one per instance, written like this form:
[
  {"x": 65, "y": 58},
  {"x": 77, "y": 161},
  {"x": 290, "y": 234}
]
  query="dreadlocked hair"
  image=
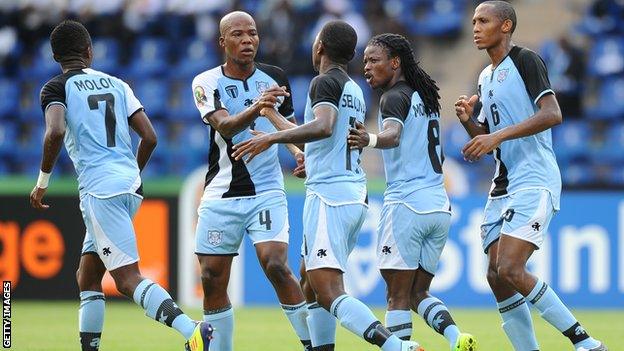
[{"x": 398, "y": 46}]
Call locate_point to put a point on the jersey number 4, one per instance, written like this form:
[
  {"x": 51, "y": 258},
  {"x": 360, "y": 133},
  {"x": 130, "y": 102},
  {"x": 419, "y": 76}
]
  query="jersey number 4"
[{"x": 109, "y": 114}]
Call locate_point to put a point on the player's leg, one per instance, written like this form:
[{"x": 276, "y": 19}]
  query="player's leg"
[
  {"x": 91, "y": 312},
  {"x": 397, "y": 260},
  {"x": 432, "y": 230},
  {"x": 218, "y": 236},
  {"x": 321, "y": 323},
  {"x": 268, "y": 228},
  {"x": 110, "y": 221},
  {"x": 521, "y": 235},
  {"x": 517, "y": 323},
  {"x": 326, "y": 257}
]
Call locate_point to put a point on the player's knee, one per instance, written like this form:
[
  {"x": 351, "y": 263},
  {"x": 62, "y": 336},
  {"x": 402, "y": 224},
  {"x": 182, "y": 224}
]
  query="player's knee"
[
  {"x": 492, "y": 276},
  {"x": 509, "y": 272},
  {"x": 88, "y": 282},
  {"x": 276, "y": 270},
  {"x": 213, "y": 281}
]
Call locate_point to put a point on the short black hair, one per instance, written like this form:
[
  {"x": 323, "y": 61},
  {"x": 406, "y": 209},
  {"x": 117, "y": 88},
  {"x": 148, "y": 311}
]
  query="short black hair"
[
  {"x": 339, "y": 40},
  {"x": 504, "y": 11},
  {"x": 69, "y": 38}
]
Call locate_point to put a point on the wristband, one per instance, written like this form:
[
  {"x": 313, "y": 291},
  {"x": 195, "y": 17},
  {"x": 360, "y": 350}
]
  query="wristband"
[
  {"x": 42, "y": 181},
  {"x": 372, "y": 140}
]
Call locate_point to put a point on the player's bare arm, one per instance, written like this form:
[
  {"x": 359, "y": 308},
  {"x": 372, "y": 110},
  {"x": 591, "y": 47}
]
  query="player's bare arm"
[
  {"x": 464, "y": 107},
  {"x": 320, "y": 128},
  {"x": 548, "y": 116},
  {"x": 52, "y": 143},
  {"x": 229, "y": 126},
  {"x": 390, "y": 136},
  {"x": 143, "y": 127},
  {"x": 282, "y": 123}
]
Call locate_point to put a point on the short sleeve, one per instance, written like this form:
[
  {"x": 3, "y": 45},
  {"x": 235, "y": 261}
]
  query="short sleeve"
[
  {"x": 324, "y": 89},
  {"x": 53, "y": 92},
  {"x": 206, "y": 95},
  {"x": 395, "y": 104},
  {"x": 534, "y": 73},
  {"x": 133, "y": 105}
]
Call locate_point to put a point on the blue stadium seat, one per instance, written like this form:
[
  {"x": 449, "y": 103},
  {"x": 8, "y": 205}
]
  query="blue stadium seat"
[
  {"x": 30, "y": 105},
  {"x": 106, "y": 55},
  {"x": 189, "y": 147},
  {"x": 159, "y": 162},
  {"x": 578, "y": 174},
  {"x": 440, "y": 18},
  {"x": 613, "y": 148},
  {"x": 299, "y": 86},
  {"x": 571, "y": 141},
  {"x": 616, "y": 175},
  {"x": 8, "y": 138},
  {"x": 153, "y": 94},
  {"x": 43, "y": 66},
  {"x": 9, "y": 103},
  {"x": 150, "y": 57},
  {"x": 196, "y": 57},
  {"x": 453, "y": 140},
  {"x": 610, "y": 100},
  {"x": 606, "y": 57},
  {"x": 181, "y": 104}
]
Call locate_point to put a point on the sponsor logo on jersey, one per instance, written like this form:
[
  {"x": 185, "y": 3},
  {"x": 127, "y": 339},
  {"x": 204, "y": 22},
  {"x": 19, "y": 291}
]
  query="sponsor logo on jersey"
[{"x": 232, "y": 91}]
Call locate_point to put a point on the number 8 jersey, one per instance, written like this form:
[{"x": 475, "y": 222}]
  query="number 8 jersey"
[
  {"x": 509, "y": 94},
  {"x": 414, "y": 168},
  {"x": 97, "y": 109}
]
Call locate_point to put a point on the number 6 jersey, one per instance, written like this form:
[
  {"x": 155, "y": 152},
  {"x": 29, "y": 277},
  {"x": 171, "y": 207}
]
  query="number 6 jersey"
[
  {"x": 97, "y": 110},
  {"x": 509, "y": 94}
]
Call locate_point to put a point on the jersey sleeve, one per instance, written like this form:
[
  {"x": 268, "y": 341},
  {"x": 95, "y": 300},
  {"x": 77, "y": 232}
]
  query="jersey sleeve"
[
  {"x": 286, "y": 108},
  {"x": 133, "y": 105},
  {"x": 325, "y": 90},
  {"x": 206, "y": 96},
  {"x": 394, "y": 105},
  {"x": 534, "y": 74},
  {"x": 53, "y": 92}
]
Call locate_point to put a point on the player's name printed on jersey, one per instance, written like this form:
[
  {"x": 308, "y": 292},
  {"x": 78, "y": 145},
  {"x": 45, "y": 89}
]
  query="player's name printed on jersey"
[
  {"x": 94, "y": 84},
  {"x": 350, "y": 101}
]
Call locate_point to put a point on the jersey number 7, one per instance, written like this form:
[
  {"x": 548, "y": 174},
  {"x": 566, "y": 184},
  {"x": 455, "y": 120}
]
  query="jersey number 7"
[{"x": 109, "y": 114}]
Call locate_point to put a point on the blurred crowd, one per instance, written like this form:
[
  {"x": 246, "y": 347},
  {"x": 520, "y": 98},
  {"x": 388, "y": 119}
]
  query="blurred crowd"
[{"x": 160, "y": 45}]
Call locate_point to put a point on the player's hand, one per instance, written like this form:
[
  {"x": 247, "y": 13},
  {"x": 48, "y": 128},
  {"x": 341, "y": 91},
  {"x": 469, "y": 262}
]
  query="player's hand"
[
  {"x": 252, "y": 147},
  {"x": 36, "y": 195},
  {"x": 464, "y": 107},
  {"x": 269, "y": 97},
  {"x": 480, "y": 145},
  {"x": 299, "y": 171},
  {"x": 358, "y": 137}
]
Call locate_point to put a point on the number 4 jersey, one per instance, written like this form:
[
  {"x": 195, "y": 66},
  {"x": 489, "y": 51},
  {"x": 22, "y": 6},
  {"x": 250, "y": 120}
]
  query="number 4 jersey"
[
  {"x": 97, "y": 111},
  {"x": 414, "y": 168},
  {"x": 509, "y": 94}
]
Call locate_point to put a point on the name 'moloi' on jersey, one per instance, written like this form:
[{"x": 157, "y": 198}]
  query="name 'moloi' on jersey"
[{"x": 94, "y": 84}]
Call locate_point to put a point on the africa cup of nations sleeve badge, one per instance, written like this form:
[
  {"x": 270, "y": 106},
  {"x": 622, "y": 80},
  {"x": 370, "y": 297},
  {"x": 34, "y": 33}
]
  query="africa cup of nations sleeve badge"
[{"x": 200, "y": 96}]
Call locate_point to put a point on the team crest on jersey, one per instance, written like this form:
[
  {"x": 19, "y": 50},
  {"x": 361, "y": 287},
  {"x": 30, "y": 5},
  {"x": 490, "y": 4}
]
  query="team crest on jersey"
[
  {"x": 232, "y": 91},
  {"x": 502, "y": 74},
  {"x": 215, "y": 237},
  {"x": 262, "y": 86},
  {"x": 200, "y": 96}
]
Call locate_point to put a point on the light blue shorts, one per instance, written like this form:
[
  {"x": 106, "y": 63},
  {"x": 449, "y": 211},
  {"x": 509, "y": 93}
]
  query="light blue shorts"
[
  {"x": 223, "y": 223},
  {"x": 407, "y": 240},
  {"x": 330, "y": 232},
  {"x": 525, "y": 215},
  {"x": 110, "y": 232}
]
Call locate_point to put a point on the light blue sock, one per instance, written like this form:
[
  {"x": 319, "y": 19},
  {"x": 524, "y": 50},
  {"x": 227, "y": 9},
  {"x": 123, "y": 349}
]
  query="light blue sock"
[
  {"x": 91, "y": 319},
  {"x": 558, "y": 315},
  {"x": 159, "y": 306},
  {"x": 360, "y": 320},
  {"x": 399, "y": 322},
  {"x": 517, "y": 323},
  {"x": 322, "y": 326},
  {"x": 297, "y": 315},
  {"x": 222, "y": 320},
  {"x": 438, "y": 317}
]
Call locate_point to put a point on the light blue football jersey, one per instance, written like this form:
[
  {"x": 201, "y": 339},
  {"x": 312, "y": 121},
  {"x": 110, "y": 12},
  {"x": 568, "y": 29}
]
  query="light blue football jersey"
[
  {"x": 509, "y": 94},
  {"x": 226, "y": 177},
  {"x": 333, "y": 169},
  {"x": 414, "y": 168},
  {"x": 97, "y": 139}
]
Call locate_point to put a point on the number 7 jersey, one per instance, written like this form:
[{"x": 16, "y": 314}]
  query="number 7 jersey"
[
  {"x": 509, "y": 94},
  {"x": 97, "y": 109}
]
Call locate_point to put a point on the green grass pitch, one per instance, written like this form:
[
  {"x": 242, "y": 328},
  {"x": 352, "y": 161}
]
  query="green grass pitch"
[{"x": 53, "y": 325}]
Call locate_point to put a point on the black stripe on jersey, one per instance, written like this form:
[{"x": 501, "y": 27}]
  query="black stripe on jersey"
[
  {"x": 213, "y": 159},
  {"x": 241, "y": 184},
  {"x": 532, "y": 70},
  {"x": 328, "y": 87},
  {"x": 54, "y": 89},
  {"x": 278, "y": 75},
  {"x": 501, "y": 182}
]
